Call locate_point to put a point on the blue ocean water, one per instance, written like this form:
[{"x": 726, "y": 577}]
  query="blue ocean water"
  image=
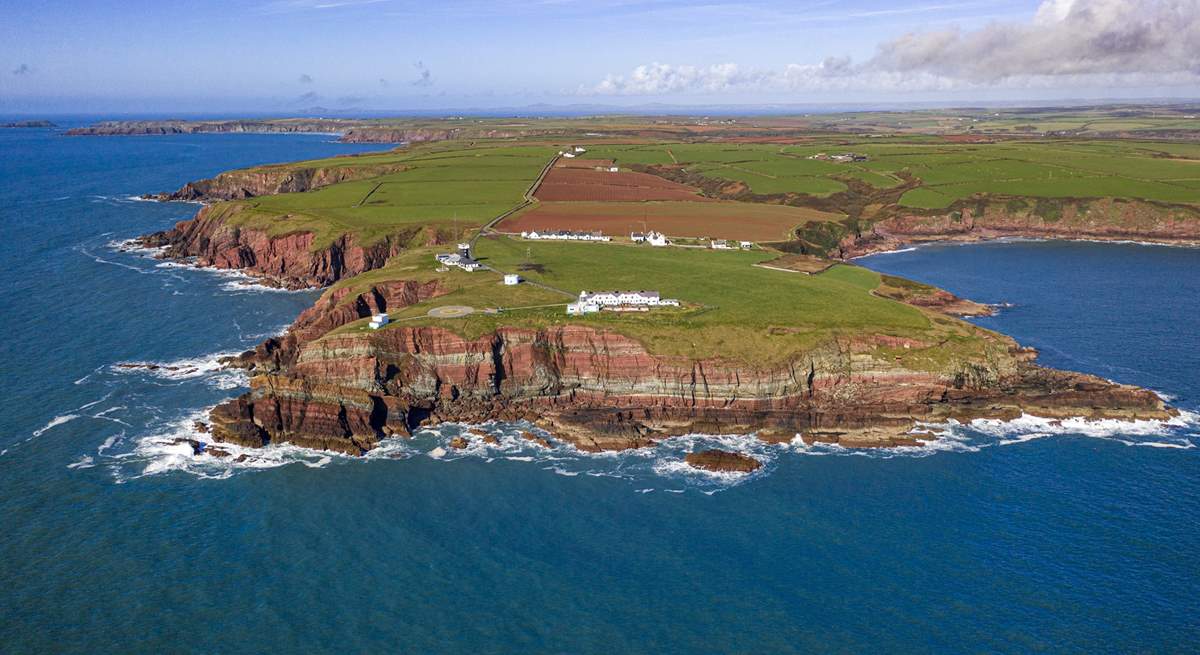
[{"x": 1014, "y": 537}]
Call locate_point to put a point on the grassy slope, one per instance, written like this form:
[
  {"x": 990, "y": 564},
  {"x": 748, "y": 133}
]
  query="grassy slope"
[{"x": 734, "y": 309}]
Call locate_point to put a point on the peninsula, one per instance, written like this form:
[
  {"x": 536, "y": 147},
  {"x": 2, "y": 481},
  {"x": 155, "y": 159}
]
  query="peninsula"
[{"x": 775, "y": 331}]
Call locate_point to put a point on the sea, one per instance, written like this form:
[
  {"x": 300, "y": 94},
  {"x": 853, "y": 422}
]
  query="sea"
[{"x": 1015, "y": 537}]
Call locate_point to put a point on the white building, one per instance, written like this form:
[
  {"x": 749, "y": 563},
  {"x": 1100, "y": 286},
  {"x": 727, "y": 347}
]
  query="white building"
[
  {"x": 569, "y": 155},
  {"x": 657, "y": 239},
  {"x": 637, "y": 237},
  {"x": 455, "y": 259},
  {"x": 613, "y": 169},
  {"x": 565, "y": 235},
  {"x": 580, "y": 308},
  {"x": 746, "y": 245},
  {"x": 378, "y": 321},
  {"x": 579, "y": 149},
  {"x": 609, "y": 299},
  {"x": 512, "y": 279},
  {"x": 720, "y": 244}
]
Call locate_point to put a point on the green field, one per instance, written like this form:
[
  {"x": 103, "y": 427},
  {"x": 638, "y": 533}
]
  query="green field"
[
  {"x": 732, "y": 308},
  {"x": 944, "y": 171},
  {"x": 460, "y": 187}
]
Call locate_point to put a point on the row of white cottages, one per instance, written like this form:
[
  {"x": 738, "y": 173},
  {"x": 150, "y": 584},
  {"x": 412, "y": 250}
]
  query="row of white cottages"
[
  {"x": 594, "y": 301},
  {"x": 565, "y": 235}
]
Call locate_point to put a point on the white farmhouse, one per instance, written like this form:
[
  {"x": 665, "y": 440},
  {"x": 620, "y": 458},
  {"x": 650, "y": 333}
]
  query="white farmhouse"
[
  {"x": 720, "y": 244},
  {"x": 746, "y": 245},
  {"x": 569, "y": 155},
  {"x": 580, "y": 149},
  {"x": 378, "y": 321},
  {"x": 512, "y": 279}
]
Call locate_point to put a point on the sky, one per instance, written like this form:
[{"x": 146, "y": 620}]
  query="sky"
[{"x": 288, "y": 56}]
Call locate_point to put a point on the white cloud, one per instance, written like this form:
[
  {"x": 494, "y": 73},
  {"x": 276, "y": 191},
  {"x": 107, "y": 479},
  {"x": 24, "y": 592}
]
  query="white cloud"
[
  {"x": 1067, "y": 43},
  {"x": 1065, "y": 38}
]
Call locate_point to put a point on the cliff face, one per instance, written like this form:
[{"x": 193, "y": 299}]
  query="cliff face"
[
  {"x": 1105, "y": 219},
  {"x": 601, "y": 391},
  {"x": 290, "y": 260},
  {"x": 236, "y": 185}
]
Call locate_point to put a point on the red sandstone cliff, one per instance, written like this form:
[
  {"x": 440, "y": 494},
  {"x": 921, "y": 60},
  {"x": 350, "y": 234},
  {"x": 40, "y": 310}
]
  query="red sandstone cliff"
[
  {"x": 270, "y": 180},
  {"x": 601, "y": 390},
  {"x": 291, "y": 260},
  {"x": 1103, "y": 220}
]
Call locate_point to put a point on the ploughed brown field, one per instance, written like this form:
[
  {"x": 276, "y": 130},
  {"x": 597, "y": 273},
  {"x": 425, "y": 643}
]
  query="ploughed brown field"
[
  {"x": 570, "y": 183},
  {"x": 716, "y": 219}
]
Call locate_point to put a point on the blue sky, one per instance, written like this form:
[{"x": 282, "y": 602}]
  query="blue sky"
[{"x": 281, "y": 55}]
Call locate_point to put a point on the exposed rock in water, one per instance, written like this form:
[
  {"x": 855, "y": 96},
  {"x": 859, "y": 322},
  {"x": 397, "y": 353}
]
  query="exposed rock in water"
[
  {"x": 541, "y": 441},
  {"x": 722, "y": 461},
  {"x": 196, "y": 446},
  {"x": 458, "y": 443}
]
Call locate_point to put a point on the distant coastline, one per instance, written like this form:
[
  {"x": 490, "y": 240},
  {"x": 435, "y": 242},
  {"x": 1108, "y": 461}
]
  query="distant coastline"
[{"x": 29, "y": 124}]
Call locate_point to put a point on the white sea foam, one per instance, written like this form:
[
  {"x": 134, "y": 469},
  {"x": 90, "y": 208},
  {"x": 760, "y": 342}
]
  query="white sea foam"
[
  {"x": 181, "y": 369},
  {"x": 170, "y": 451},
  {"x": 85, "y": 462},
  {"x": 53, "y": 423},
  {"x": 887, "y": 252}
]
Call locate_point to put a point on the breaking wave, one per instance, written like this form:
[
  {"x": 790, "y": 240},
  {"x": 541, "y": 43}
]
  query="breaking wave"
[{"x": 662, "y": 465}]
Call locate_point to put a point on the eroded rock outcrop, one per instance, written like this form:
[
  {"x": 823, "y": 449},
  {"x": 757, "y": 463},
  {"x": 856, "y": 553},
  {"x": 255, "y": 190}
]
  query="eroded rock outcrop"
[
  {"x": 294, "y": 261},
  {"x": 270, "y": 180},
  {"x": 722, "y": 461}
]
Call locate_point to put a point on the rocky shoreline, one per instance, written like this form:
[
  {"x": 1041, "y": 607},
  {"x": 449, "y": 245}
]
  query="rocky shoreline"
[{"x": 1107, "y": 220}]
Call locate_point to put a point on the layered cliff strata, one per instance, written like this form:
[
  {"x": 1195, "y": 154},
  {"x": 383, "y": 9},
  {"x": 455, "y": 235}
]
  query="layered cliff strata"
[
  {"x": 270, "y": 180},
  {"x": 603, "y": 391},
  {"x": 1105, "y": 219},
  {"x": 294, "y": 261}
]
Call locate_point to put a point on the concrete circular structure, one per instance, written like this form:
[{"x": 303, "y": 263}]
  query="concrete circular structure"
[{"x": 451, "y": 311}]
